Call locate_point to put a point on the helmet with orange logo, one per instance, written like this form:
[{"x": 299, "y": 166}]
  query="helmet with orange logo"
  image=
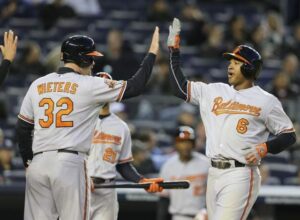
[{"x": 252, "y": 61}]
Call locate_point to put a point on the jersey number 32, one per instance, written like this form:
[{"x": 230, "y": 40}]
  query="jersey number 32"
[{"x": 66, "y": 107}]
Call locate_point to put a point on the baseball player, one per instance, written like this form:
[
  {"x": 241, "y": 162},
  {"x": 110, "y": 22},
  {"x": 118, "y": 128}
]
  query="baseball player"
[
  {"x": 238, "y": 119},
  {"x": 111, "y": 152},
  {"x": 60, "y": 110},
  {"x": 185, "y": 165},
  {"x": 8, "y": 50}
]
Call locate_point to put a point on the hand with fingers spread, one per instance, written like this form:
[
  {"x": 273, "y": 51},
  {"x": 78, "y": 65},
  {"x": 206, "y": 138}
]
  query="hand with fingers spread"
[
  {"x": 154, "y": 47},
  {"x": 10, "y": 45},
  {"x": 254, "y": 155},
  {"x": 174, "y": 31},
  {"x": 154, "y": 187}
]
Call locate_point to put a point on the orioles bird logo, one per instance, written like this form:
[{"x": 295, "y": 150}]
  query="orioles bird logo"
[{"x": 110, "y": 83}]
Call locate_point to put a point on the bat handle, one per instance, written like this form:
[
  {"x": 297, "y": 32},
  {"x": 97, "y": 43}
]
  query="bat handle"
[{"x": 175, "y": 185}]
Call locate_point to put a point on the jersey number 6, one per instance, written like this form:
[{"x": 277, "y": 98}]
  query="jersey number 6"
[
  {"x": 241, "y": 126},
  {"x": 58, "y": 117}
]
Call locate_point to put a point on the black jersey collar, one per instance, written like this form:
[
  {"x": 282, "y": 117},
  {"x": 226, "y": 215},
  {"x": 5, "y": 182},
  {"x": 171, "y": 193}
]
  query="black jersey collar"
[
  {"x": 104, "y": 116},
  {"x": 63, "y": 70}
]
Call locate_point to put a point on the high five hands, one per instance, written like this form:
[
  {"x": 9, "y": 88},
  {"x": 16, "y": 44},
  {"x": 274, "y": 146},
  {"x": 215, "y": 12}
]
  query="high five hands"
[
  {"x": 9, "y": 47},
  {"x": 154, "y": 47}
]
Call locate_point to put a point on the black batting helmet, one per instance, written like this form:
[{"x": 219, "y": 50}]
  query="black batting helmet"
[
  {"x": 79, "y": 49},
  {"x": 251, "y": 59},
  {"x": 184, "y": 133}
]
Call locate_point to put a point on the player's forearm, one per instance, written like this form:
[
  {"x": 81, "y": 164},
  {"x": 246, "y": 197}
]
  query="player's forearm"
[
  {"x": 136, "y": 84},
  {"x": 128, "y": 172},
  {"x": 281, "y": 142},
  {"x": 24, "y": 137},
  {"x": 4, "y": 69},
  {"x": 177, "y": 78}
]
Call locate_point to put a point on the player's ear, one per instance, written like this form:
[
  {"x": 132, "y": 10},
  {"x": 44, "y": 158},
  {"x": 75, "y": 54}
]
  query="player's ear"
[{"x": 61, "y": 56}]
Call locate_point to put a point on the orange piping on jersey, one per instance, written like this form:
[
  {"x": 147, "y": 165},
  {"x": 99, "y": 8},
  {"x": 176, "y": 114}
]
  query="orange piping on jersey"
[
  {"x": 232, "y": 107},
  {"x": 287, "y": 130},
  {"x": 122, "y": 91},
  {"x": 22, "y": 117},
  {"x": 188, "y": 98},
  {"x": 126, "y": 160},
  {"x": 86, "y": 193},
  {"x": 250, "y": 193}
]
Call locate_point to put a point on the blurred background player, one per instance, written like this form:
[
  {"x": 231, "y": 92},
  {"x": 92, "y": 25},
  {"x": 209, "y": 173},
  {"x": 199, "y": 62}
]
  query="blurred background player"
[
  {"x": 185, "y": 165},
  {"x": 8, "y": 50},
  {"x": 111, "y": 152}
]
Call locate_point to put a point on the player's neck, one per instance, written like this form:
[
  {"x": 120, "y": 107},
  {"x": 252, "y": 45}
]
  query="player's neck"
[
  {"x": 185, "y": 158},
  {"x": 74, "y": 67},
  {"x": 244, "y": 85},
  {"x": 104, "y": 110}
]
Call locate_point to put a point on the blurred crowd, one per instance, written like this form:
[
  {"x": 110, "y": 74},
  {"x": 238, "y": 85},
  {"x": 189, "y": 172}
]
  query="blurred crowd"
[{"x": 122, "y": 30}]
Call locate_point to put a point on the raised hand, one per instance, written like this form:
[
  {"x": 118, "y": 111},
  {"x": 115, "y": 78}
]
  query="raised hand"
[
  {"x": 154, "y": 47},
  {"x": 174, "y": 31},
  {"x": 10, "y": 46}
]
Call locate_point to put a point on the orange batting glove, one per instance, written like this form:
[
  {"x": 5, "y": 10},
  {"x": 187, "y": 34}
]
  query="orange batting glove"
[
  {"x": 154, "y": 187},
  {"x": 253, "y": 156},
  {"x": 174, "y": 31}
]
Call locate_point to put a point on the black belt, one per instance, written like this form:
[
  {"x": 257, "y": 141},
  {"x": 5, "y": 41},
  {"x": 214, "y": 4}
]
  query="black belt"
[
  {"x": 98, "y": 180},
  {"x": 59, "y": 151},
  {"x": 223, "y": 164}
]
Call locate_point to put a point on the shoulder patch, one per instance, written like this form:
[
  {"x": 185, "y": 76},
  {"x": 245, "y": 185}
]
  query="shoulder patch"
[{"x": 110, "y": 83}]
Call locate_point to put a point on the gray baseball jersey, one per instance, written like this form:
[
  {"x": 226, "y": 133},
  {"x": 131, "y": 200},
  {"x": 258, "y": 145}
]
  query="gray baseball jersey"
[
  {"x": 69, "y": 101},
  {"x": 111, "y": 145},
  {"x": 187, "y": 201},
  {"x": 235, "y": 120}
]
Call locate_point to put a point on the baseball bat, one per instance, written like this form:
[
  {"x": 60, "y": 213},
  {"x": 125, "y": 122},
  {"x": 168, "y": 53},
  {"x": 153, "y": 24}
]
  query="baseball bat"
[{"x": 166, "y": 185}]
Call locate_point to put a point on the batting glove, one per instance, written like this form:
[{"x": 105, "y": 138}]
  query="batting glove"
[
  {"x": 154, "y": 187},
  {"x": 174, "y": 31},
  {"x": 253, "y": 156}
]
